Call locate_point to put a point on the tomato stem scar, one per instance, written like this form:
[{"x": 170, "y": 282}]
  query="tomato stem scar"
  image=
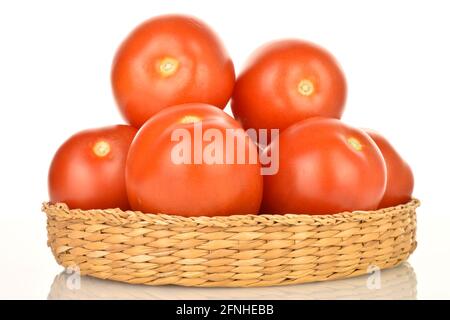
[
  {"x": 355, "y": 144},
  {"x": 168, "y": 66},
  {"x": 305, "y": 87},
  {"x": 101, "y": 148}
]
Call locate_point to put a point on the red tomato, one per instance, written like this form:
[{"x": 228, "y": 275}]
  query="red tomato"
[
  {"x": 88, "y": 170},
  {"x": 170, "y": 60},
  {"x": 325, "y": 167},
  {"x": 288, "y": 81},
  {"x": 400, "y": 179},
  {"x": 156, "y": 183}
]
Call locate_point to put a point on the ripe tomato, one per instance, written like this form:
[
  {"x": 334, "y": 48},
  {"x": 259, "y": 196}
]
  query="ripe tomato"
[
  {"x": 159, "y": 183},
  {"x": 170, "y": 60},
  {"x": 325, "y": 167},
  {"x": 400, "y": 179},
  {"x": 288, "y": 81},
  {"x": 88, "y": 170}
]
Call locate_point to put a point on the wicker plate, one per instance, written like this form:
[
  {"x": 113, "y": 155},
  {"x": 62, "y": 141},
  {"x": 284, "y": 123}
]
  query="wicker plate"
[
  {"x": 393, "y": 284},
  {"x": 234, "y": 251}
]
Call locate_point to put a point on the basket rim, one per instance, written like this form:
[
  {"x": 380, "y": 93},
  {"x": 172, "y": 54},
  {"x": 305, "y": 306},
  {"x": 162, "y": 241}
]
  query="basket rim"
[{"x": 117, "y": 216}]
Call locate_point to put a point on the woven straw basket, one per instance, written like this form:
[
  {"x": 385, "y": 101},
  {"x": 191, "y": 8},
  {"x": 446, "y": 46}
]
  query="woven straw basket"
[
  {"x": 393, "y": 284},
  {"x": 234, "y": 251}
]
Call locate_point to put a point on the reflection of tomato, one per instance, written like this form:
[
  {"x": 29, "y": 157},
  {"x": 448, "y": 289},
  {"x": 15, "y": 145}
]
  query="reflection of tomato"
[
  {"x": 170, "y": 60},
  {"x": 400, "y": 179},
  {"x": 88, "y": 170},
  {"x": 158, "y": 183},
  {"x": 325, "y": 166},
  {"x": 288, "y": 81}
]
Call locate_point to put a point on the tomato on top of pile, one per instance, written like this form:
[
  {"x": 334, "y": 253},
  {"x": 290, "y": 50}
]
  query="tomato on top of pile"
[{"x": 181, "y": 154}]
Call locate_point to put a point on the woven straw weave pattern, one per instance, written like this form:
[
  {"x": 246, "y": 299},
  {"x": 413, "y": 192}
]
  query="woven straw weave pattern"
[
  {"x": 234, "y": 251},
  {"x": 394, "y": 284}
]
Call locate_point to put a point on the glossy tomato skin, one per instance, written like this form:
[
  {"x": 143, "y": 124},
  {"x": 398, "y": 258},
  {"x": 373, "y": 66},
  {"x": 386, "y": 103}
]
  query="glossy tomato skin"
[
  {"x": 88, "y": 170},
  {"x": 156, "y": 184},
  {"x": 170, "y": 60},
  {"x": 400, "y": 178},
  {"x": 288, "y": 81},
  {"x": 325, "y": 167}
]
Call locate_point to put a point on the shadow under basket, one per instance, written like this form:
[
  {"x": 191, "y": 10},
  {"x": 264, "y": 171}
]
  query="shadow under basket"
[{"x": 233, "y": 251}]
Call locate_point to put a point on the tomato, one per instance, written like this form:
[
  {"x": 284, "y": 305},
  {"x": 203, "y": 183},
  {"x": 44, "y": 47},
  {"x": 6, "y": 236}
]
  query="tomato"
[
  {"x": 169, "y": 60},
  {"x": 158, "y": 182},
  {"x": 288, "y": 81},
  {"x": 88, "y": 170},
  {"x": 325, "y": 166},
  {"x": 400, "y": 179}
]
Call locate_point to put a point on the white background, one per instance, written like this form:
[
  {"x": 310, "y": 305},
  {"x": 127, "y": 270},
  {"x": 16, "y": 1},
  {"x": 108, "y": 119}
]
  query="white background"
[{"x": 55, "y": 59}]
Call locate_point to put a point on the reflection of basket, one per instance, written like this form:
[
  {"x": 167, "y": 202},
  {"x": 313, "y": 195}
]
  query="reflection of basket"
[
  {"x": 234, "y": 251},
  {"x": 396, "y": 284}
]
